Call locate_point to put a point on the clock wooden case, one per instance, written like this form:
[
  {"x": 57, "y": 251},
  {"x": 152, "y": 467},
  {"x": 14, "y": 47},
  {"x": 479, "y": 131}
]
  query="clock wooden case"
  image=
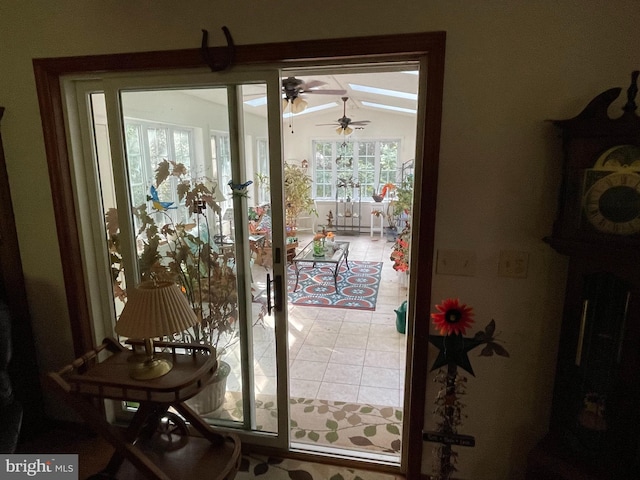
[
  {"x": 594, "y": 431},
  {"x": 599, "y": 201}
]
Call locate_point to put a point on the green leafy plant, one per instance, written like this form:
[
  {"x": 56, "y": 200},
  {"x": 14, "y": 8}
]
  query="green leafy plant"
[
  {"x": 297, "y": 193},
  {"x": 402, "y": 207},
  {"x": 404, "y": 195}
]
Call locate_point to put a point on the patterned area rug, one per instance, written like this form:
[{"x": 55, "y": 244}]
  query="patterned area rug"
[
  {"x": 350, "y": 426},
  {"x": 357, "y": 285},
  {"x": 273, "y": 468}
]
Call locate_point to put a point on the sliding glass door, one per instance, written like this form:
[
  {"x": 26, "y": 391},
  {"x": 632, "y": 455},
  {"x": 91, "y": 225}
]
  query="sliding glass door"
[{"x": 174, "y": 171}]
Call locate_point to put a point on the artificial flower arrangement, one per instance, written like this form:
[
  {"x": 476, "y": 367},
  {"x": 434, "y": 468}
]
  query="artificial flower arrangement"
[
  {"x": 401, "y": 208},
  {"x": 452, "y": 321},
  {"x": 184, "y": 252},
  {"x": 400, "y": 250},
  {"x": 319, "y": 245}
]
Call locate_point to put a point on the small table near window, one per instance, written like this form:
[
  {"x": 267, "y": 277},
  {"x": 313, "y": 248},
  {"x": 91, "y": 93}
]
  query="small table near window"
[
  {"x": 378, "y": 211},
  {"x": 332, "y": 260},
  {"x": 155, "y": 445}
]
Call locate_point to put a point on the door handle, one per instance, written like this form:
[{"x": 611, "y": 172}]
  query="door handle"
[
  {"x": 269, "y": 307},
  {"x": 277, "y": 301},
  {"x": 278, "y": 293}
]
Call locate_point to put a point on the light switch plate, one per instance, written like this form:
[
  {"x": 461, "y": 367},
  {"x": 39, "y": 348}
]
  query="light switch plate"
[
  {"x": 513, "y": 263},
  {"x": 456, "y": 262}
]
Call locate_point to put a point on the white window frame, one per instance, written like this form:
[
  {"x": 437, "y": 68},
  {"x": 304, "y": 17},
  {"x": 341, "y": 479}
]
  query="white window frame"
[
  {"x": 148, "y": 165},
  {"x": 336, "y": 148}
]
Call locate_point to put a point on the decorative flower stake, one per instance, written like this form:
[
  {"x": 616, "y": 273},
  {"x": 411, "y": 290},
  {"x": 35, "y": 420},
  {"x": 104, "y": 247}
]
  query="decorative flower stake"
[
  {"x": 452, "y": 321},
  {"x": 453, "y": 317}
]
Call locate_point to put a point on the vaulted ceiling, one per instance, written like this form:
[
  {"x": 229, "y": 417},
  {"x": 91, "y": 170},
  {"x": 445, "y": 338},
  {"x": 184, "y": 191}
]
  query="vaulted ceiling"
[{"x": 383, "y": 91}]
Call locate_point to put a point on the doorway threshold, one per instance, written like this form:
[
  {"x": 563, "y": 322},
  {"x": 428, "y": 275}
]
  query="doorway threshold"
[{"x": 370, "y": 458}]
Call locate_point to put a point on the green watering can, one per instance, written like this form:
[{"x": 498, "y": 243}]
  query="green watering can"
[{"x": 401, "y": 317}]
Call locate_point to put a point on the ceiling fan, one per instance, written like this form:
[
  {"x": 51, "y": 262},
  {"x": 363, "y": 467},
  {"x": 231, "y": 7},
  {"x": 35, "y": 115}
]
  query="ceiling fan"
[
  {"x": 345, "y": 123},
  {"x": 293, "y": 89}
]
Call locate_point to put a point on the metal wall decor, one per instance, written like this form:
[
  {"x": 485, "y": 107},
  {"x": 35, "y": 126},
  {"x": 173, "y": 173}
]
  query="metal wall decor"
[{"x": 228, "y": 56}]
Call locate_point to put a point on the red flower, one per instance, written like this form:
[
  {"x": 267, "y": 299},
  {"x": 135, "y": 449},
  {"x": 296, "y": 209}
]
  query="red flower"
[
  {"x": 401, "y": 267},
  {"x": 454, "y": 318}
]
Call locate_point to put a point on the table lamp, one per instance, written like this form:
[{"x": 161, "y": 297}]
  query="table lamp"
[{"x": 154, "y": 309}]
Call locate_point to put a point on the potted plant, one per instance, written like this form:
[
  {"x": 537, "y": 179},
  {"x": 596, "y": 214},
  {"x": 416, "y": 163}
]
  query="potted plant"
[
  {"x": 404, "y": 196},
  {"x": 402, "y": 214},
  {"x": 183, "y": 252},
  {"x": 297, "y": 195}
]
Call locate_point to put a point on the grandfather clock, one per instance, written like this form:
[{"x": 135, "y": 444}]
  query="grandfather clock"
[{"x": 595, "y": 421}]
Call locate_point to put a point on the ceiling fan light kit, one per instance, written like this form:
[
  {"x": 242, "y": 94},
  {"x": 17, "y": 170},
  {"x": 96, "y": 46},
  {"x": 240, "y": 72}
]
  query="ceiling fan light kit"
[
  {"x": 293, "y": 88},
  {"x": 298, "y": 105},
  {"x": 344, "y": 124}
]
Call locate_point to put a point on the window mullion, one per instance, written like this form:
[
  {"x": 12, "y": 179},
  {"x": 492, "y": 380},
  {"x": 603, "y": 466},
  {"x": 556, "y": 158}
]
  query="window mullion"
[
  {"x": 115, "y": 120},
  {"x": 356, "y": 161},
  {"x": 377, "y": 166},
  {"x": 337, "y": 147}
]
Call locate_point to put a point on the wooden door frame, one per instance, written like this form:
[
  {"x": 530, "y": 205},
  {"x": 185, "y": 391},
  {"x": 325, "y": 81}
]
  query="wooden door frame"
[{"x": 409, "y": 47}]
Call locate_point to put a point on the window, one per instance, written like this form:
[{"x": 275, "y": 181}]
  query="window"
[
  {"x": 147, "y": 146},
  {"x": 367, "y": 167},
  {"x": 323, "y": 165},
  {"x": 221, "y": 156},
  {"x": 388, "y": 162},
  {"x": 372, "y": 163},
  {"x": 262, "y": 147}
]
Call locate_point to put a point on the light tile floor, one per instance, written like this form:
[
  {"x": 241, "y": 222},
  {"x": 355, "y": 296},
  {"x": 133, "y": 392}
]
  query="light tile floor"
[{"x": 337, "y": 354}]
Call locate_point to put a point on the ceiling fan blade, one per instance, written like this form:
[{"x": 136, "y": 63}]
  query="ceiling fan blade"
[
  {"x": 360, "y": 122},
  {"x": 312, "y": 84},
  {"x": 326, "y": 92}
]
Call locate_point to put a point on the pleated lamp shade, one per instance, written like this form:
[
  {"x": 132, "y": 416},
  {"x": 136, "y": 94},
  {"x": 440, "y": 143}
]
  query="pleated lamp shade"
[{"x": 155, "y": 309}]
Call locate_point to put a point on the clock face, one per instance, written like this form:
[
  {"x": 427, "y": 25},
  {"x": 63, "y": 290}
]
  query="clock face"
[{"x": 612, "y": 204}]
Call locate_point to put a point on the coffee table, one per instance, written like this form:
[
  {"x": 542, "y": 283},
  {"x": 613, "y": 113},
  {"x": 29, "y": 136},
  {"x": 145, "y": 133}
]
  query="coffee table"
[{"x": 332, "y": 260}]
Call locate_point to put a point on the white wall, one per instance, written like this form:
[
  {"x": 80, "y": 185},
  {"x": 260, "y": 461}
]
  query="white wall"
[{"x": 510, "y": 65}]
